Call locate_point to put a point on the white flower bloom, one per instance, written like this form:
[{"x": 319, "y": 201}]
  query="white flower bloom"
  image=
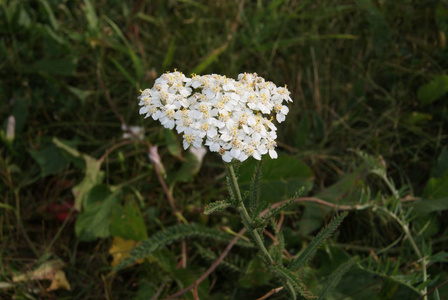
[{"x": 232, "y": 117}]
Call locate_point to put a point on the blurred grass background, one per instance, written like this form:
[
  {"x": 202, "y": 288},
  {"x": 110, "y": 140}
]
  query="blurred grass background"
[{"x": 73, "y": 70}]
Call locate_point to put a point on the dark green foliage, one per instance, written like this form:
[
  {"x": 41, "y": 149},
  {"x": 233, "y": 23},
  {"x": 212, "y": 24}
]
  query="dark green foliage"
[
  {"x": 384, "y": 267},
  {"x": 291, "y": 278},
  {"x": 210, "y": 256},
  {"x": 310, "y": 250},
  {"x": 334, "y": 278},
  {"x": 175, "y": 233},
  {"x": 272, "y": 213},
  {"x": 216, "y": 206}
]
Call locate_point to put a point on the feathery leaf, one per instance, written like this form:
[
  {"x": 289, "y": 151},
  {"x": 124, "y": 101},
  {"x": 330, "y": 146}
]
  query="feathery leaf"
[
  {"x": 290, "y": 277},
  {"x": 272, "y": 213},
  {"x": 174, "y": 233},
  {"x": 211, "y": 257},
  {"x": 334, "y": 277},
  {"x": 310, "y": 251},
  {"x": 216, "y": 206}
]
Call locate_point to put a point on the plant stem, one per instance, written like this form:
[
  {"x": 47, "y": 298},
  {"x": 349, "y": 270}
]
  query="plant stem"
[
  {"x": 247, "y": 221},
  {"x": 408, "y": 234}
]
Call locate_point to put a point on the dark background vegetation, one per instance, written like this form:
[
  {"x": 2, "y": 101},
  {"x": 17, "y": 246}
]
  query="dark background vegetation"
[{"x": 364, "y": 75}]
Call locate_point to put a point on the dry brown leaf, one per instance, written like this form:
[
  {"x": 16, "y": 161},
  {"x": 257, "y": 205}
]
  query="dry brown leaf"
[{"x": 50, "y": 270}]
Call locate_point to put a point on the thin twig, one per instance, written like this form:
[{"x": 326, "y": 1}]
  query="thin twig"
[
  {"x": 433, "y": 290},
  {"x": 275, "y": 240},
  {"x": 271, "y": 292},
  {"x": 212, "y": 267},
  {"x": 195, "y": 292},
  {"x": 112, "y": 148}
]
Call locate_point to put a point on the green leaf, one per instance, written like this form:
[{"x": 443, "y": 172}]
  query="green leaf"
[
  {"x": 281, "y": 177},
  {"x": 146, "y": 290},
  {"x": 211, "y": 257},
  {"x": 441, "y": 257},
  {"x": 415, "y": 118},
  {"x": 309, "y": 252},
  {"x": 188, "y": 169},
  {"x": 435, "y": 195},
  {"x": 436, "y": 295},
  {"x": 441, "y": 165},
  {"x": 92, "y": 19},
  {"x": 272, "y": 213},
  {"x": 80, "y": 94},
  {"x": 93, "y": 174},
  {"x": 216, "y": 206},
  {"x": 437, "y": 187},
  {"x": 185, "y": 277},
  {"x": 94, "y": 221},
  {"x": 433, "y": 90},
  {"x": 174, "y": 233},
  {"x": 172, "y": 143},
  {"x": 49, "y": 160},
  {"x": 334, "y": 278},
  {"x": 169, "y": 56},
  {"x": 54, "y": 23},
  {"x": 127, "y": 222},
  {"x": 348, "y": 190},
  {"x": 256, "y": 274},
  {"x": 290, "y": 277},
  {"x": 209, "y": 59}
]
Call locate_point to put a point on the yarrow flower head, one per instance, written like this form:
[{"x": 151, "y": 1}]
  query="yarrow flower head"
[{"x": 231, "y": 117}]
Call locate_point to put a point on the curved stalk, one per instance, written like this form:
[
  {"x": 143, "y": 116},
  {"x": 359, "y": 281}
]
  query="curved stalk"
[{"x": 247, "y": 222}]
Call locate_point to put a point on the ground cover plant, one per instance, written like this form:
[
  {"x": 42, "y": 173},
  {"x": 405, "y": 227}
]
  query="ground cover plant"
[{"x": 97, "y": 202}]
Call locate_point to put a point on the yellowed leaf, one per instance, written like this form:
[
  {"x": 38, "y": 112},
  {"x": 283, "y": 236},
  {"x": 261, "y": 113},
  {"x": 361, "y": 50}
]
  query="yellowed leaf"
[
  {"x": 50, "y": 270},
  {"x": 120, "y": 250}
]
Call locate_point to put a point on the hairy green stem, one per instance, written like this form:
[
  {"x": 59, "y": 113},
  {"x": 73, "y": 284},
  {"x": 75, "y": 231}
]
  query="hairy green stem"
[
  {"x": 408, "y": 234},
  {"x": 247, "y": 220},
  {"x": 248, "y": 223}
]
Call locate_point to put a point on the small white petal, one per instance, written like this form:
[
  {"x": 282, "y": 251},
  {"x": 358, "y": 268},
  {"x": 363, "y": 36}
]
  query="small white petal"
[
  {"x": 256, "y": 155},
  {"x": 144, "y": 110},
  {"x": 280, "y": 117},
  {"x": 226, "y": 157},
  {"x": 235, "y": 152}
]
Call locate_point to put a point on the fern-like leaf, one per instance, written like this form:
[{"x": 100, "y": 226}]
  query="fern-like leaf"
[
  {"x": 391, "y": 270},
  {"x": 291, "y": 278},
  {"x": 216, "y": 206},
  {"x": 211, "y": 257},
  {"x": 334, "y": 277},
  {"x": 262, "y": 222},
  {"x": 174, "y": 233},
  {"x": 310, "y": 251}
]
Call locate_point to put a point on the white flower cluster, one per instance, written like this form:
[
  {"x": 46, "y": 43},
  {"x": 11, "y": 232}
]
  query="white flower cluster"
[{"x": 228, "y": 114}]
